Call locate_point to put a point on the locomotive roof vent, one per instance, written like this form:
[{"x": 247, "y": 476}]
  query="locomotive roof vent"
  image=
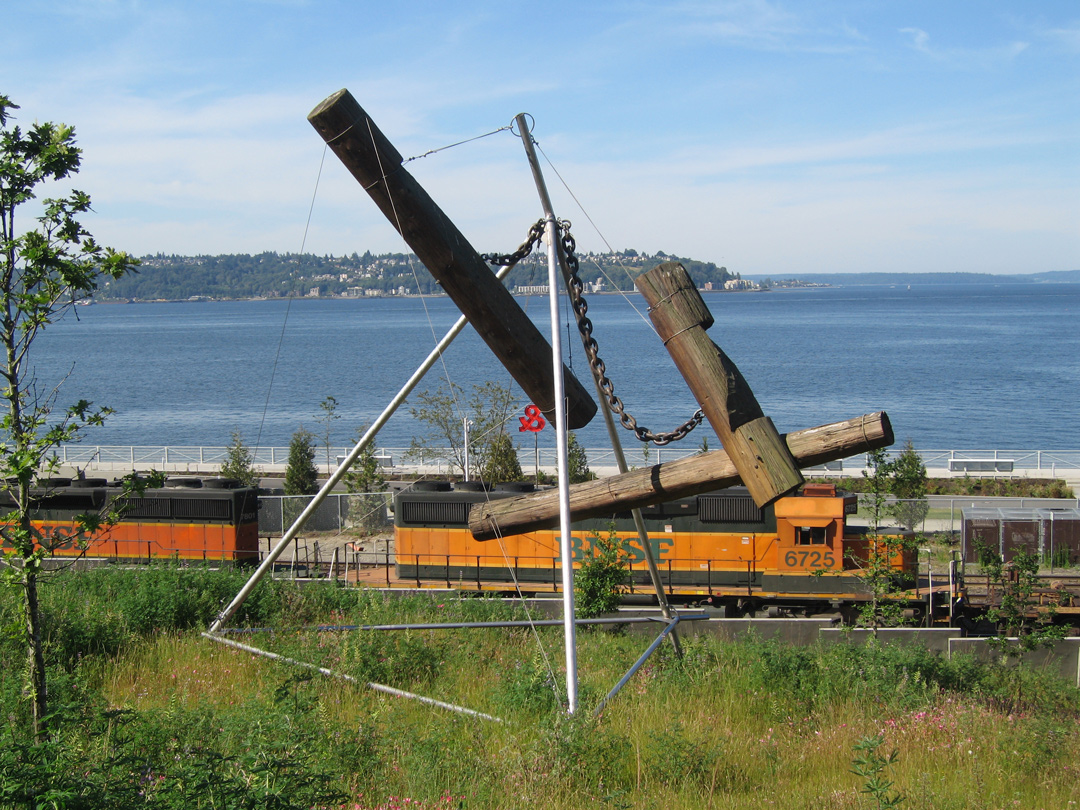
[
  {"x": 471, "y": 486},
  {"x": 221, "y": 483},
  {"x": 185, "y": 483},
  {"x": 516, "y": 486},
  {"x": 430, "y": 486},
  {"x": 50, "y": 483}
]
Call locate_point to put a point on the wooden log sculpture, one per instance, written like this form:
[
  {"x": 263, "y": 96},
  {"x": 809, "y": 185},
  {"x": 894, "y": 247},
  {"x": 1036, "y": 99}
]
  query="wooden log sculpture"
[
  {"x": 674, "y": 479},
  {"x": 454, "y": 263},
  {"x": 749, "y": 437}
]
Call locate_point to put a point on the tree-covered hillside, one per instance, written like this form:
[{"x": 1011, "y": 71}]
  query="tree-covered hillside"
[{"x": 271, "y": 275}]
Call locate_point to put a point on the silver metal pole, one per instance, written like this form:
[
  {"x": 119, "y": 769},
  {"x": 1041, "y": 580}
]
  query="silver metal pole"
[
  {"x": 570, "y": 631},
  {"x": 361, "y": 445},
  {"x": 341, "y": 628},
  {"x": 929, "y": 585},
  {"x": 378, "y": 687},
  {"x": 609, "y": 420},
  {"x": 639, "y": 525},
  {"x": 465, "y": 434},
  {"x": 637, "y": 665},
  {"x": 551, "y": 230}
]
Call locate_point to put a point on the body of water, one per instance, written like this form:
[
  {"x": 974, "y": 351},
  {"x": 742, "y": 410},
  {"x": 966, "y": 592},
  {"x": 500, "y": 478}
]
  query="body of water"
[{"x": 955, "y": 366}]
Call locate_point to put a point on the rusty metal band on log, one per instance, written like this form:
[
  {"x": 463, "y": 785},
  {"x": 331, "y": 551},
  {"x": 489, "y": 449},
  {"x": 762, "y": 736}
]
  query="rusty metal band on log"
[
  {"x": 748, "y": 436},
  {"x": 674, "y": 479},
  {"x": 454, "y": 263}
]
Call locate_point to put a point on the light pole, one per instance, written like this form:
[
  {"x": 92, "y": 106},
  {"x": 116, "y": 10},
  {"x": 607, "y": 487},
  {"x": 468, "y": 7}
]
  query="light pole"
[{"x": 466, "y": 426}]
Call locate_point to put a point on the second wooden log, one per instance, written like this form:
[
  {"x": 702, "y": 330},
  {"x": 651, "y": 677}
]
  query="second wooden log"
[{"x": 749, "y": 437}]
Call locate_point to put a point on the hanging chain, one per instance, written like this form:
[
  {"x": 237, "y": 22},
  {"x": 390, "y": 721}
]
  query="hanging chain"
[
  {"x": 585, "y": 327},
  {"x": 536, "y": 232}
]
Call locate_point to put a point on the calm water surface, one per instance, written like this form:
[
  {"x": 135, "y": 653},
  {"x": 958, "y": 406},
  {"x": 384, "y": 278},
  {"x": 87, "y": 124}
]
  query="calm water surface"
[{"x": 955, "y": 366}]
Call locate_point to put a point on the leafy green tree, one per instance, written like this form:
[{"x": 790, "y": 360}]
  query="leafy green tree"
[
  {"x": 365, "y": 474},
  {"x": 882, "y": 546},
  {"x": 43, "y": 272},
  {"x": 501, "y": 462},
  {"x": 577, "y": 461},
  {"x": 1023, "y": 625},
  {"x": 598, "y": 582},
  {"x": 301, "y": 477},
  {"x": 908, "y": 484},
  {"x": 366, "y": 511},
  {"x": 239, "y": 462},
  {"x": 488, "y": 410},
  {"x": 1017, "y": 614}
]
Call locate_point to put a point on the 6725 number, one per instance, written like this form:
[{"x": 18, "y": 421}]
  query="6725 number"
[{"x": 809, "y": 559}]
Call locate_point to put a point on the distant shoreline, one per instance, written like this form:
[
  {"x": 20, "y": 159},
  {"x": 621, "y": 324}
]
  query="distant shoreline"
[{"x": 924, "y": 280}]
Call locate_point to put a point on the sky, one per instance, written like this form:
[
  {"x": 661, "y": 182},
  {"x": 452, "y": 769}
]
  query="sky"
[{"x": 778, "y": 138}]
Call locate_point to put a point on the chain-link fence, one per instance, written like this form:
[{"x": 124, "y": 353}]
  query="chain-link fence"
[
  {"x": 942, "y": 513},
  {"x": 359, "y": 513}
]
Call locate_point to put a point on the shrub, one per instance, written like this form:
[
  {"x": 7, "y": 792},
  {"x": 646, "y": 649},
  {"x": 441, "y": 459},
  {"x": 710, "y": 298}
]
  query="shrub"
[
  {"x": 239, "y": 462},
  {"x": 301, "y": 477},
  {"x": 599, "y": 581}
]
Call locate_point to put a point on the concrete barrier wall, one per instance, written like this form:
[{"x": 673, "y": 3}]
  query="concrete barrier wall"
[
  {"x": 934, "y": 639},
  {"x": 1064, "y": 655}
]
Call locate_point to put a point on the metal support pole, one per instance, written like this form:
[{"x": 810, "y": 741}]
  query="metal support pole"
[
  {"x": 378, "y": 687},
  {"x": 338, "y": 628},
  {"x": 333, "y": 480},
  {"x": 551, "y": 231},
  {"x": 609, "y": 422},
  {"x": 637, "y": 664},
  {"x": 465, "y": 435}
]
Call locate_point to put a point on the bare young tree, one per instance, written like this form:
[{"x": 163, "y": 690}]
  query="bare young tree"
[
  {"x": 329, "y": 415},
  {"x": 444, "y": 411}
]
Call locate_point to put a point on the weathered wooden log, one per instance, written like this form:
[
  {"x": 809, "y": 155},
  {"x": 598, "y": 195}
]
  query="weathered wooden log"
[
  {"x": 749, "y": 437},
  {"x": 454, "y": 263},
  {"x": 675, "y": 479}
]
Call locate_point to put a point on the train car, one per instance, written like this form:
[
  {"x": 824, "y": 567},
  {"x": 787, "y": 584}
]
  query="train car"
[
  {"x": 212, "y": 519},
  {"x": 798, "y": 552}
]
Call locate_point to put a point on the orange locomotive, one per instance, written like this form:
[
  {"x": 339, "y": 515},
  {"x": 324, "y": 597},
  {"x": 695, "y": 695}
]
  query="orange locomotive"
[
  {"x": 212, "y": 519},
  {"x": 797, "y": 552}
]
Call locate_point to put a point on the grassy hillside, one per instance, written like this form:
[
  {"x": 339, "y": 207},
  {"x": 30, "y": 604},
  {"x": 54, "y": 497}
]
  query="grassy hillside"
[{"x": 151, "y": 714}]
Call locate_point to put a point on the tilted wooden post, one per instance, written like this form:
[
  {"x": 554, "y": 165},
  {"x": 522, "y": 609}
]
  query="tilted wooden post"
[
  {"x": 674, "y": 479},
  {"x": 749, "y": 437},
  {"x": 454, "y": 263}
]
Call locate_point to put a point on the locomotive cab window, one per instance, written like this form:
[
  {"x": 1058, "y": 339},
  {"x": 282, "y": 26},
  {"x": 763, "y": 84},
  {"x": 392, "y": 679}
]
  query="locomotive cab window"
[{"x": 811, "y": 535}]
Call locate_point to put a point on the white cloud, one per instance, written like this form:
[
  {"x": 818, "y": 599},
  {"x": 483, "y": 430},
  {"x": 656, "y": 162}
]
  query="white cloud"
[
  {"x": 920, "y": 40},
  {"x": 965, "y": 58},
  {"x": 1068, "y": 36},
  {"x": 750, "y": 24}
]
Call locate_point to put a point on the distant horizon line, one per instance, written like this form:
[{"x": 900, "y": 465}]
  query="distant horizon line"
[{"x": 632, "y": 252}]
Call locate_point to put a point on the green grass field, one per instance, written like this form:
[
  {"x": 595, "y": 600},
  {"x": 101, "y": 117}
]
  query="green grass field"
[{"x": 149, "y": 713}]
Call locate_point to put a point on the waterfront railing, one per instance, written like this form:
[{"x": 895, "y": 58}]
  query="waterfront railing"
[{"x": 173, "y": 458}]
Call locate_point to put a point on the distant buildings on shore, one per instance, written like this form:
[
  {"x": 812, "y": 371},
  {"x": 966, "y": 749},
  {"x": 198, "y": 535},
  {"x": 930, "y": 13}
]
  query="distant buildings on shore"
[{"x": 272, "y": 275}]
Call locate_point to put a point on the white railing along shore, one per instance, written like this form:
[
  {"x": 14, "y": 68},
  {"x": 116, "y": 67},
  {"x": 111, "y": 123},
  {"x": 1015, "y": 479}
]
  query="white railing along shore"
[{"x": 174, "y": 458}]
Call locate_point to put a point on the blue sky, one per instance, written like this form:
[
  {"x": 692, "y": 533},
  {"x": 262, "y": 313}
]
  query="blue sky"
[{"x": 770, "y": 137}]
